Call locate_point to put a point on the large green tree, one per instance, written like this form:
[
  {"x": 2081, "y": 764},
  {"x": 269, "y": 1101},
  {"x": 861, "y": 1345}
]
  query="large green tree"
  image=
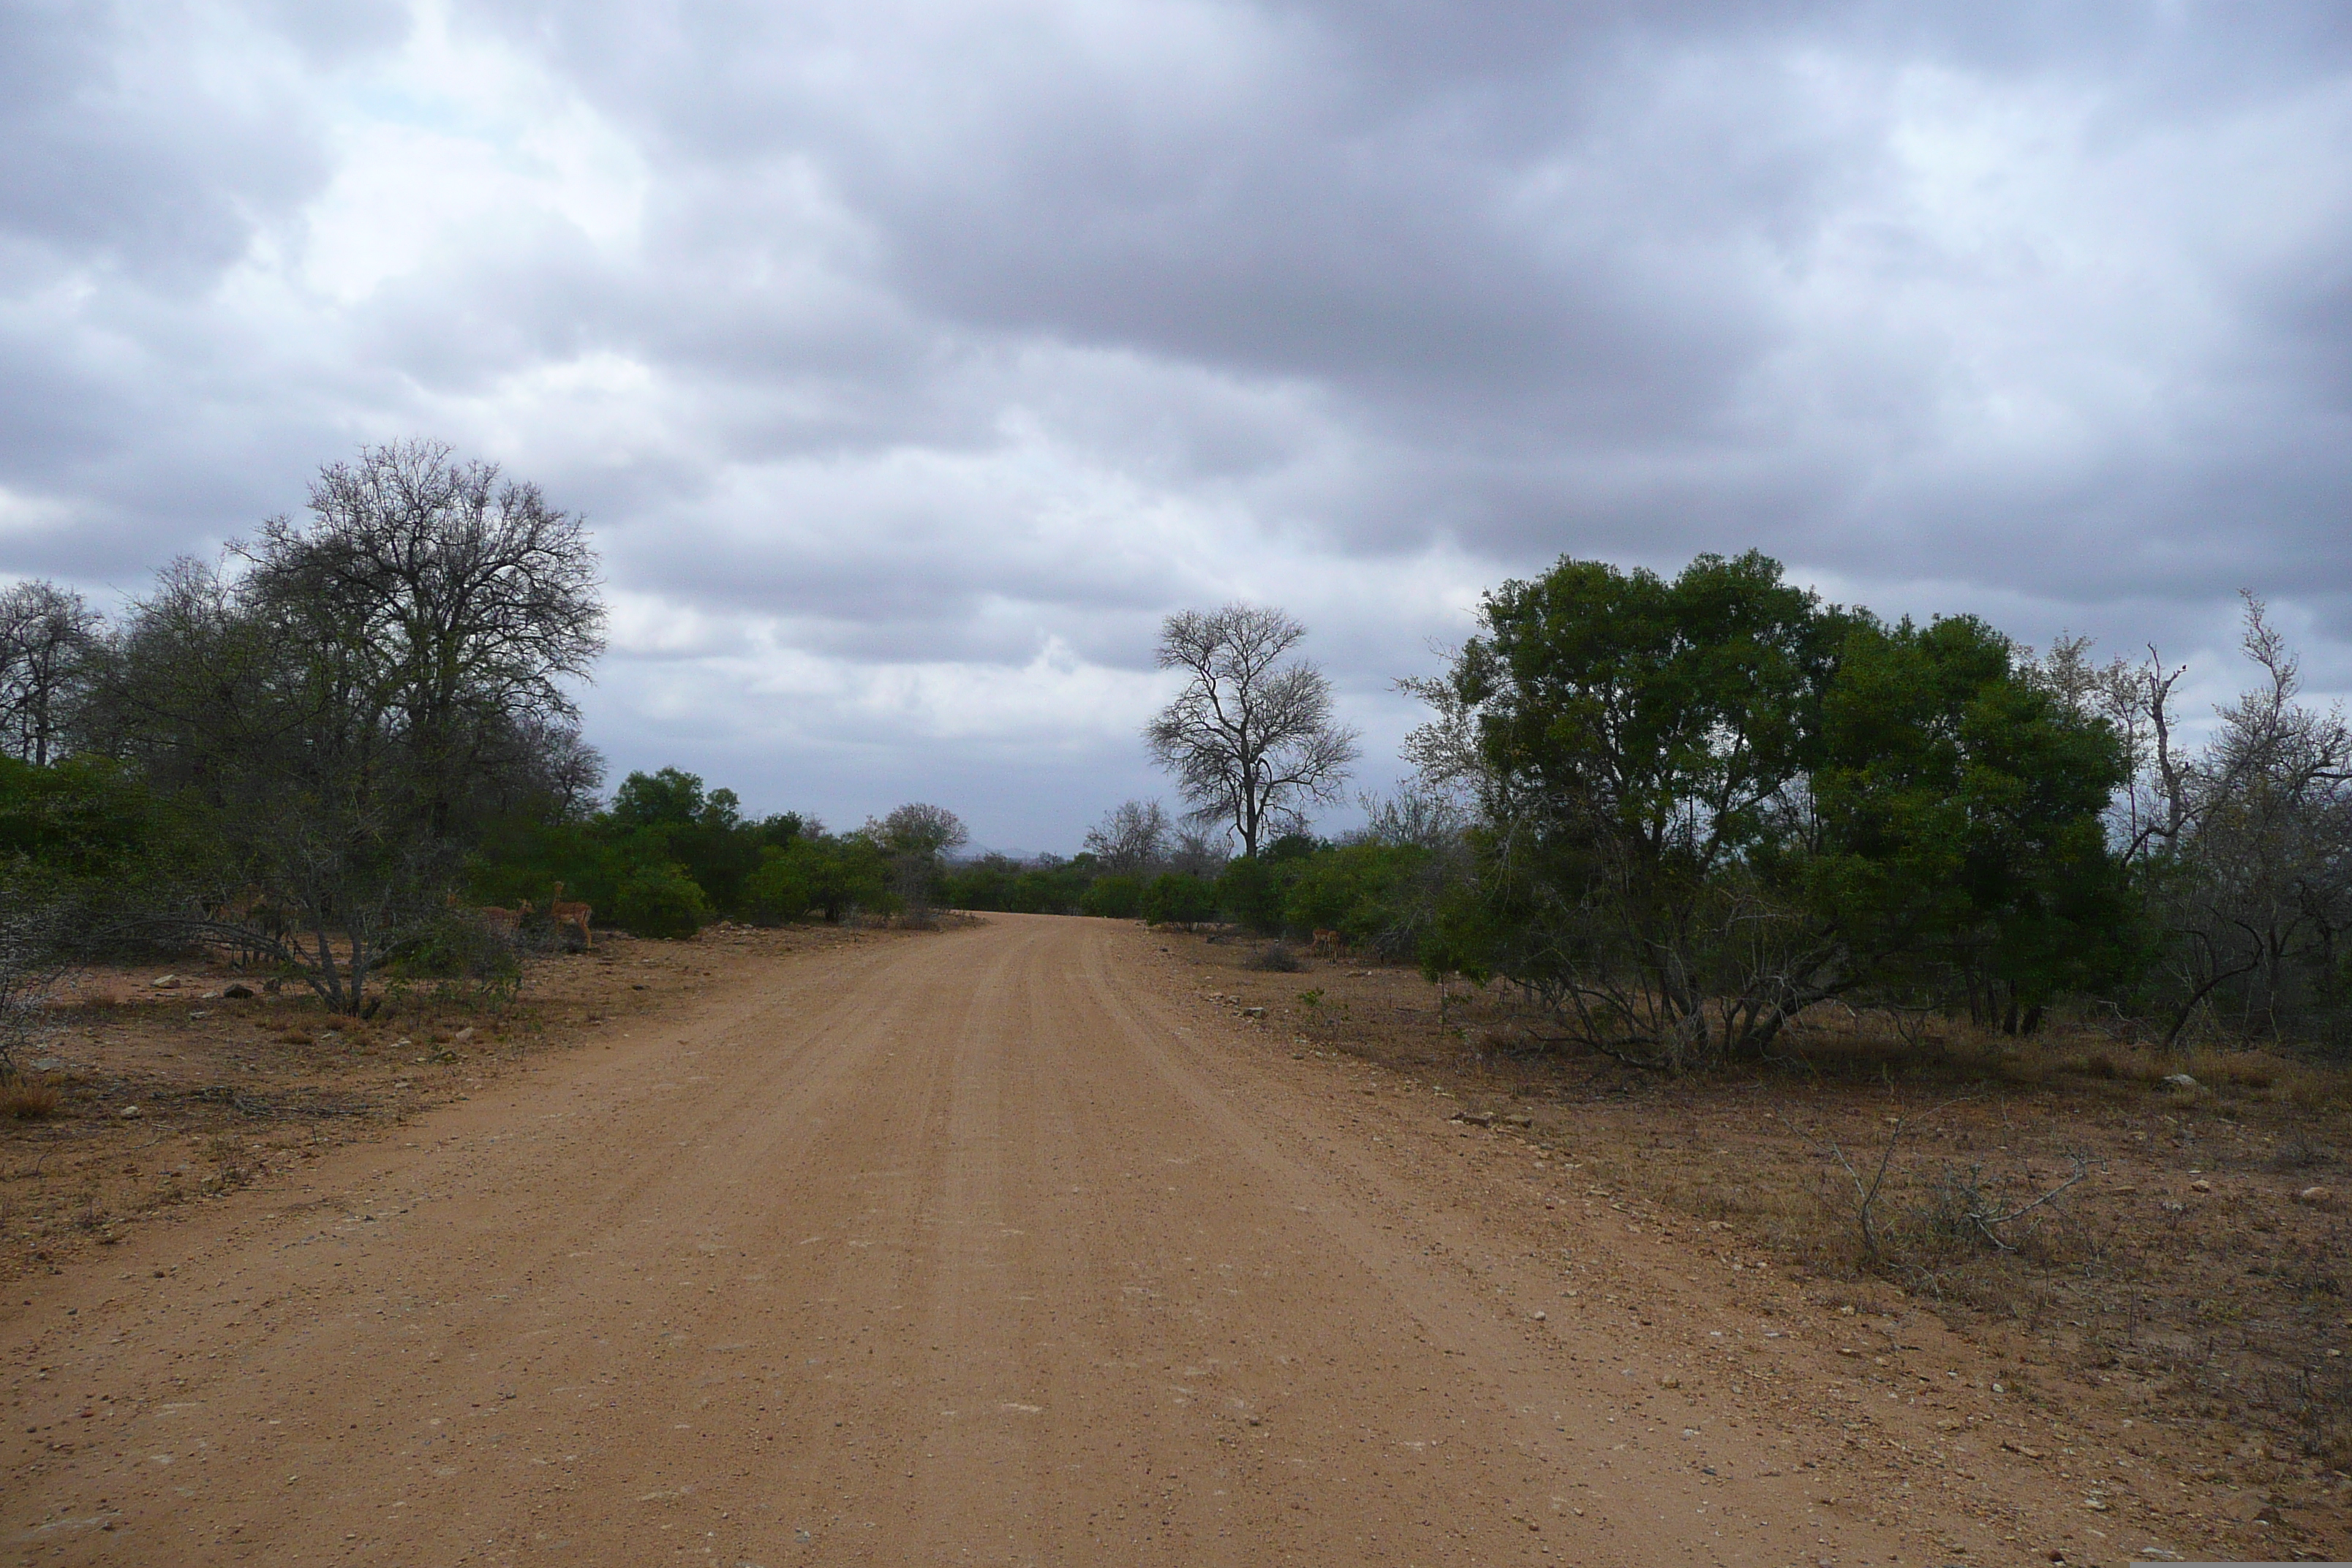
[
  {"x": 1962, "y": 855},
  {"x": 1706, "y": 803},
  {"x": 1638, "y": 747}
]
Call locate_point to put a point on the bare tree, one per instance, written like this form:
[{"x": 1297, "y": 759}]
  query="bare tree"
[
  {"x": 1251, "y": 738},
  {"x": 347, "y": 712},
  {"x": 1201, "y": 855},
  {"x": 917, "y": 837},
  {"x": 2246, "y": 846},
  {"x": 46, "y": 634},
  {"x": 916, "y": 828},
  {"x": 476, "y": 597},
  {"x": 1132, "y": 840}
]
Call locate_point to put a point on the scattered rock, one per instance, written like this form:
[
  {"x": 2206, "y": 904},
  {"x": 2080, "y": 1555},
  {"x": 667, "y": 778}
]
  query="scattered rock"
[
  {"x": 1519, "y": 1119},
  {"x": 1476, "y": 1118},
  {"x": 240, "y": 992},
  {"x": 1541, "y": 1316},
  {"x": 1252, "y": 1012},
  {"x": 1670, "y": 1381},
  {"x": 2180, "y": 1080},
  {"x": 465, "y": 1034},
  {"x": 2201, "y": 1186},
  {"x": 403, "y": 1043},
  {"x": 2314, "y": 1195},
  {"x": 129, "y": 1114},
  {"x": 208, "y": 997},
  {"x": 165, "y": 982}
]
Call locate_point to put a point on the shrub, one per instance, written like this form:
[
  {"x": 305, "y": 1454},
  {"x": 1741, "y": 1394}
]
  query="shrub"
[
  {"x": 1251, "y": 892},
  {"x": 1275, "y": 958},
  {"x": 1175, "y": 897},
  {"x": 1376, "y": 895},
  {"x": 819, "y": 871},
  {"x": 660, "y": 902},
  {"x": 29, "y": 1099},
  {"x": 780, "y": 890},
  {"x": 1116, "y": 898},
  {"x": 453, "y": 946}
]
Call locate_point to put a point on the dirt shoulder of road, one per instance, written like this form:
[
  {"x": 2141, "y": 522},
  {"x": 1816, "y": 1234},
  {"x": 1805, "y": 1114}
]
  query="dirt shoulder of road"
[
  {"x": 2175, "y": 1317},
  {"x": 171, "y": 1090}
]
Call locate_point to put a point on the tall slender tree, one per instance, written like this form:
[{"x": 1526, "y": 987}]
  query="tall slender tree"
[
  {"x": 1251, "y": 738},
  {"x": 46, "y": 636}
]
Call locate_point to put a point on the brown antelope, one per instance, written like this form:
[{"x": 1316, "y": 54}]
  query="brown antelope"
[
  {"x": 497, "y": 922},
  {"x": 1330, "y": 944},
  {"x": 264, "y": 923},
  {"x": 573, "y": 914}
]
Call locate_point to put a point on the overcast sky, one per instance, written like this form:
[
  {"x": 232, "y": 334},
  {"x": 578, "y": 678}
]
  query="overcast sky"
[{"x": 911, "y": 358}]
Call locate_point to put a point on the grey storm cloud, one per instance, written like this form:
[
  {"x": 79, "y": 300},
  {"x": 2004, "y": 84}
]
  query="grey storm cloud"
[{"x": 911, "y": 360}]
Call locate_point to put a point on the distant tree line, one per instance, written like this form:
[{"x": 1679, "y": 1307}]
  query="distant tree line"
[{"x": 1674, "y": 813}]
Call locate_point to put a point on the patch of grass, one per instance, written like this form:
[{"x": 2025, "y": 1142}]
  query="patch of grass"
[
  {"x": 2235, "y": 1070},
  {"x": 29, "y": 1099}
]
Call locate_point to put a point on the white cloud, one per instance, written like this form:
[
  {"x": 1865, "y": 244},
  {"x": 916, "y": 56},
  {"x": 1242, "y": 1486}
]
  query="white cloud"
[{"x": 911, "y": 362}]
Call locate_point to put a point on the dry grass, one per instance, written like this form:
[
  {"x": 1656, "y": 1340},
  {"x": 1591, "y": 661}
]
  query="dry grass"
[
  {"x": 1273, "y": 958},
  {"x": 29, "y": 1098}
]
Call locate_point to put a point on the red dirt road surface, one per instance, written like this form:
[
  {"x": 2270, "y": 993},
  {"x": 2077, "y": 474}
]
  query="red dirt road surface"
[{"x": 997, "y": 1246}]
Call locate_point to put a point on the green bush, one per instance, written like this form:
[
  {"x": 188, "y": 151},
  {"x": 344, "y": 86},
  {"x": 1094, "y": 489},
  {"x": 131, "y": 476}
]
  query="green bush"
[
  {"x": 819, "y": 873},
  {"x": 83, "y": 819},
  {"x": 1364, "y": 892},
  {"x": 1251, "y": 891},
  {"x": 453, "y": 946},
  {"x": 664, "y": 901},
  {"x": 782, "y": 890},
  {"x": 1116, "y": 898},
  {"x": 1175, "y": 897}
]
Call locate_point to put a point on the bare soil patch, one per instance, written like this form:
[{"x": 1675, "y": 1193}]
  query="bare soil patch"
[
  {"x": 2175, "y": 1310},
  {"x": 160, "y": 1095}
]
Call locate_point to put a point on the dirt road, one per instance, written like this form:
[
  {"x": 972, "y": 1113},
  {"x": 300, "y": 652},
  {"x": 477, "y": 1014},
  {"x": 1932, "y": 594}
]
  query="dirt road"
[{"x": 996, "y": 1246}]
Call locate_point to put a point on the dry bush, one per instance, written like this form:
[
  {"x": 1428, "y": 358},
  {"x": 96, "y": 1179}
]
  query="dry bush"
[
  {"x": 29, "y": 1099},
  {"x": 1273, "y": 958}
]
